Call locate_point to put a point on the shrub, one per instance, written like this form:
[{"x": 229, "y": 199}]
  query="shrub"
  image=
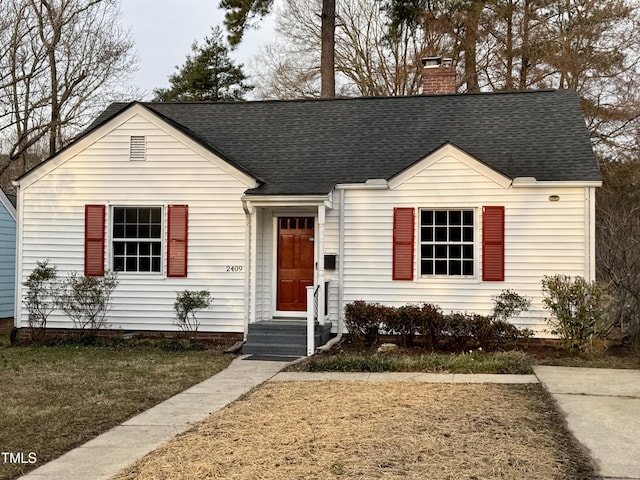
[
  {"x": 86, "y": 300},
  {"x": 455, "y": 332},
  {"x": 41, "y": 296},
  {"x": 187, "y": 303},
  {"x": 462, "y": 331},
  {"x": 430, "y": 324},
  {"x": 365, "y": 320},
  {"x": 578, "y": 309},
  {"x": 402, "y": 322},
  {"x": 410, "y": 320},
  {"x": 509, "y": 304}
]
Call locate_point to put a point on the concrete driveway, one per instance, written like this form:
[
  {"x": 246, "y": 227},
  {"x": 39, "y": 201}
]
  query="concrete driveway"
[{"x": 602, "y": 408}]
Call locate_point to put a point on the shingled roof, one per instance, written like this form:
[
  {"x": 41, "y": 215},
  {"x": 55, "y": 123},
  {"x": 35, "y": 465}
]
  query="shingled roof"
[{"x": 309, "y": 146}]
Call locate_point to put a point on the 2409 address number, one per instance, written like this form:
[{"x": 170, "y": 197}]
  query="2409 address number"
[{"x": 234, "y": 268}]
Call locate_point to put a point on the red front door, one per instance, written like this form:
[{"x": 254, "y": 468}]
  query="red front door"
[{"x": 295, "y": 262}]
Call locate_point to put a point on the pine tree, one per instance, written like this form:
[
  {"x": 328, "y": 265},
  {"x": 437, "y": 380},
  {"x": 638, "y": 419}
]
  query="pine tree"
[{"x": 208, "y": 74}]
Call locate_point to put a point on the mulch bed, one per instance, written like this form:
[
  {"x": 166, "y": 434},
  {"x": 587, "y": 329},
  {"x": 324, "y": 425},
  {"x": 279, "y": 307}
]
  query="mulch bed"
[{"x": 351, "y": 430}]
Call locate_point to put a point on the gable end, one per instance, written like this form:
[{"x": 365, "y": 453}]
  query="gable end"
[{"x": 450, "y": 150}]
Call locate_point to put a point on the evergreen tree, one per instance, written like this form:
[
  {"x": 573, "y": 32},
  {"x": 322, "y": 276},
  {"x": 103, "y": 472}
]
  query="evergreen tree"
[{"x": 208, "y": 74}]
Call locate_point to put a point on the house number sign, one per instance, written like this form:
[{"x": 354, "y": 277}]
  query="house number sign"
[{"x": 233, "y": 268}]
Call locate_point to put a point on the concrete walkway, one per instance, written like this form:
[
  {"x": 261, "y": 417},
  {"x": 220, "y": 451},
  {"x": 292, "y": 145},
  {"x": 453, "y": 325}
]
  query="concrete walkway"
[
  {"x": 602, "y": 408},
  {"x": 107, "y": 454},
  {"x": 402, "y": 377}
]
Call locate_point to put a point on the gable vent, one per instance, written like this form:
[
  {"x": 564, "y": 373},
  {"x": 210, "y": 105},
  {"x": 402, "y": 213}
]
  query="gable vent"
[{"x": 138, "y": 147}]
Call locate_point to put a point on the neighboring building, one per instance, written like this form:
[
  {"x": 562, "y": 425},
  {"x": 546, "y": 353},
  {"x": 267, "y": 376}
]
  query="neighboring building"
[
  {"x": 447, "y": 199},
  {"x": 7, "y": 254}
]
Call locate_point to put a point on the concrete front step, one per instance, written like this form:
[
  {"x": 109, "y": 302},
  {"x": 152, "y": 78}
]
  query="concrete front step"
[{"x": 281, "y": 337}]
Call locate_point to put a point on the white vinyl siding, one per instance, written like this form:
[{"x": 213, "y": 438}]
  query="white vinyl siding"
[
  {"x": 541, "y": 238},
  {"x": 174, "y": 172}
]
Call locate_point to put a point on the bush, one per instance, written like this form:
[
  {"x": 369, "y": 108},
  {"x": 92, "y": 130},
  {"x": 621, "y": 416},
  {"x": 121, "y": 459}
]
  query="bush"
[
  {"x": 187, "y": 303},
  {"x": 462, "y": 331},
  {"x": 366, "y": 320},
  {"x": 509, "y": 304},
  {"x": 41, "y": 296},
  {"x": 410, "y": 320},
  {"x": 578, "y": 309},
  {"x": 86, "y": 300},
  {"x": 430, "y": 324},
  {"x": 454, "y": 332},
  {"x": 402, "y": 322}
]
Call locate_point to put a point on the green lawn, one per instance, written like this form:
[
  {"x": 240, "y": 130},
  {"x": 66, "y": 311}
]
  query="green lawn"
[
  {"x": 471, "y": 362},
  {"x": 55, "y": 398}
]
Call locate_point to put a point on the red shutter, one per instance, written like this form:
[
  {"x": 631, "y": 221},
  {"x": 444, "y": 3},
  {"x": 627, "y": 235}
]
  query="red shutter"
[
  {"x": 177, "y": 241},
  {"x": 493, "y": 244},
  {"x": 403, "y": 225},
  {"x": 94, "y": 216}
]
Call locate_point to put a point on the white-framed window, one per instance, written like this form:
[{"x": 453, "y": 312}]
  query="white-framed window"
[
  {"x": 137, "y": 239},
  {"x": 447, "y": 242}
]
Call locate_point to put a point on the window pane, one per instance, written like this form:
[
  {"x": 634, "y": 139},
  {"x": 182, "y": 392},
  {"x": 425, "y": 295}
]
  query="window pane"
[
  {"x": 118, "y": 264},
  {"x": 144, "y": 231},
  {"x": 132, "y": 215},
  {"x": 155, "y": 248},
  {"x": 455, "y": 217},
  {"x": 455, "y": 267},
  {"x": 131, "y": 264},
  {"x": 118, "y": 231},
  {"x": 118, "y": 215},
  {"x": 131, "y": 231},
  {"x": 132, "y": 248},
  {"x": 467, "y": 234},
  {"x": 427, "y": 267},
  {"x": 441, "y": 267},
  {"x": 455, "y": 251},
  {"x": 427, "y": 251},
  {"x": 427, "y": 217},
  {"x": 155, "y": 264},
  {"x": 455, "y": 234},
  {"x": 145, "y": 264},
  {"x": 145, "y": 215},
  {"x": 145, "y": 249},
  {"x": 467, "y": 251},
  {"x": 441, "y": 234},
  {"x": 118, "y": 248},
  {"x": 467, "y": 217},
  {"x": 467, "y": 267},
  {"x": 155, "y": 231},
  {"x": 441, "y": 251},
  {"x": 427, "y": 234},
  {"x": 441, "y": 218},
  {"x": 155, "y": 215}
]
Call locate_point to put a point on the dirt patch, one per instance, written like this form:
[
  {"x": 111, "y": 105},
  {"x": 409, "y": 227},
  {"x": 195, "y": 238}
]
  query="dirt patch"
[{"x": 328, "y": 430}]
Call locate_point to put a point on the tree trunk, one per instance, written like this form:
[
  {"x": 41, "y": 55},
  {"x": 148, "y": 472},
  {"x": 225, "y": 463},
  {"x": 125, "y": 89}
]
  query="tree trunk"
[
  {"x": 470, "y": 45},
  {"x": 327, "y": 56}
]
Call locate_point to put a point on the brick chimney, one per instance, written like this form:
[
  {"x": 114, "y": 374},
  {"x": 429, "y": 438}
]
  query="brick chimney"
[{"x": 438, "y": 76}]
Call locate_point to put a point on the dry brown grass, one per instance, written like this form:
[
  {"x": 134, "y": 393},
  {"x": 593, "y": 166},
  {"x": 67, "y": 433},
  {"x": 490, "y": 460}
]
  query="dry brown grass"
[
  {"x": 53, "y": 399},
  {"x": 350, "y": 430}
]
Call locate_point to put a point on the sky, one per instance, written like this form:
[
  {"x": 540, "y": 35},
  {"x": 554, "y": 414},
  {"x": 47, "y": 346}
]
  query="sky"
[{"x": 163, "y": 31}]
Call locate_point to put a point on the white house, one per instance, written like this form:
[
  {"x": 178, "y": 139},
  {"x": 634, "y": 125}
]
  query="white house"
[{"x": 446, "y": 199}]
